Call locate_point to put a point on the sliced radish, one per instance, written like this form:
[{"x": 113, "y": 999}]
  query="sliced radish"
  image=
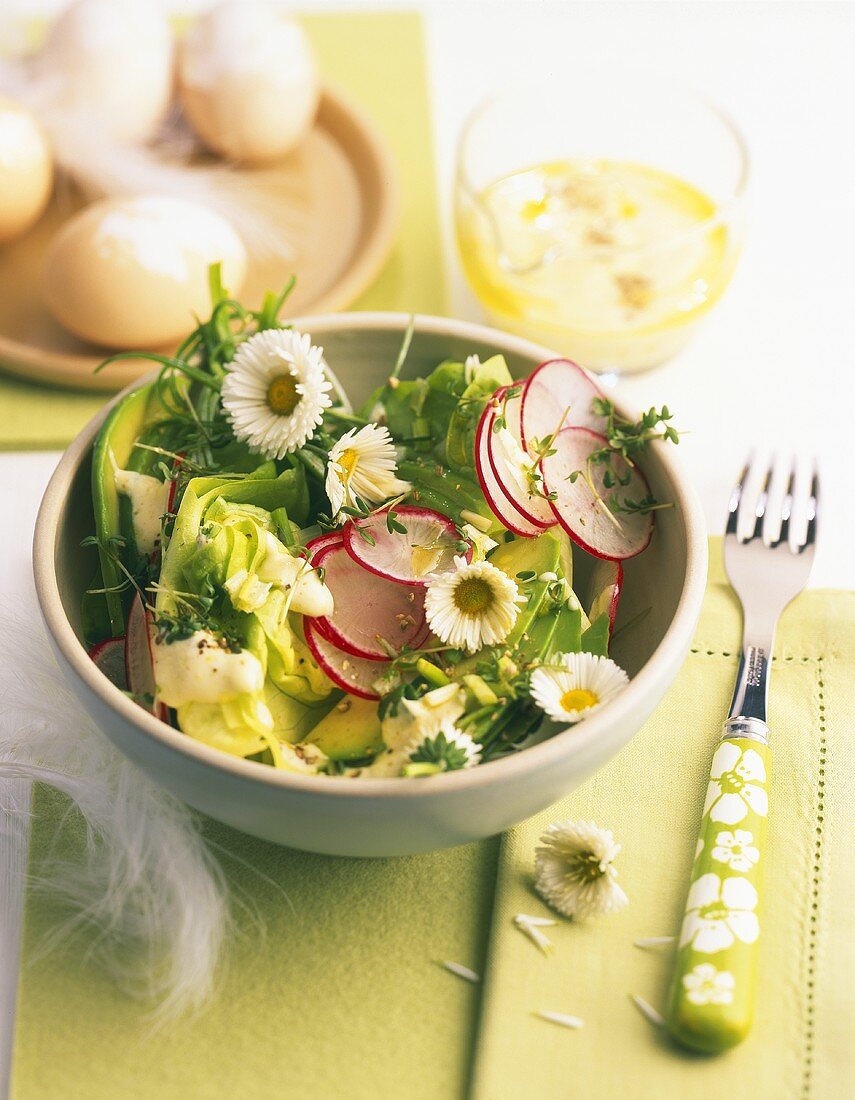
[
  {"x": 321, "y": 542},
  {"x": 369, "y": 608},
  {"x": 585, "y": 518},
  {"x": 139, "y": 658},
  {"x": 109, "y": 658},
  {"x": 428, "y": 547},
  {"x": 558, "y": 394},
  {"x": 508, "y": 461},
  {"x": 502, "y": 508},
  {"x": 352, "y": 674},
  {"x": 604, "y": 590}
]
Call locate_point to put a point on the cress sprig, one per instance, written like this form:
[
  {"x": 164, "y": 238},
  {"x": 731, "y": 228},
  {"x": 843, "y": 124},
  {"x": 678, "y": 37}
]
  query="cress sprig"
[{"x": 625, "y": 439}]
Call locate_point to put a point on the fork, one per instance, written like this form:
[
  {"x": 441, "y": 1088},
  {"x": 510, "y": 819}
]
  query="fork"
[{"x": 711, "y": 1002}]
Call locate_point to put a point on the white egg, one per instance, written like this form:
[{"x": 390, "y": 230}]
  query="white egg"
[
  {"x": 248, "y": 81},
  {"x": 111, "y": 60},
  {"x": 132, "y": 273},
  {"x": 26, "y": 170}
]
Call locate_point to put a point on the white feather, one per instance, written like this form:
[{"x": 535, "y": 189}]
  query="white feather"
[{"x": 146, "y": 881}]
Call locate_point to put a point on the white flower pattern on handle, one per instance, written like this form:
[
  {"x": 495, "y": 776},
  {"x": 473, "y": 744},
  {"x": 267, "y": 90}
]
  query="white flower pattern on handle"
[
  {"x": 718, "y": 913},
  {"x": 733, "y": 788},
  {"x": 705, "y": 985},
  {"x": 736, "y": 849}
]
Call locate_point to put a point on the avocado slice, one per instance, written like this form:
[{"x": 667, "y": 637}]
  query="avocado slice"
[
  {"x": 568, "y": 631},
  {"x": 351, "y": 730},
  {"x": 531, "y": 558},
  {"x": 119, "y": 432}
]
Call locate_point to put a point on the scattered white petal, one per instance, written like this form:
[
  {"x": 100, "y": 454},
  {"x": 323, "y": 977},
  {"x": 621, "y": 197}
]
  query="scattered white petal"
[
  {"x": 530, "y": 928},
  {"x": 647, "y": 1010},
  {"x": 362, "y": 464},
  {"x": 574, "y": 685},
  {"x": 474, "y": 605},
  {"x": 275, "y": 391},
  {"x": 537, "y": 922},
  {"x": 461, "y": 971},
  {"x": 654, "y": 941},
  {"x": 574, "y": 869},
  {"x": 561, "y": 1019}
]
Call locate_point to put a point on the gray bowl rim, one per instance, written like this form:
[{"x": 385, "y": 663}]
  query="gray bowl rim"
[{"x": 586, "y": 740}]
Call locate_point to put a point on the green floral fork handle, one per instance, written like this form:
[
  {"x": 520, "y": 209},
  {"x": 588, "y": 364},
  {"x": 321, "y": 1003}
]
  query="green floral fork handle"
[
  {"x": 711, "y": 1003},
  {"x": 712, "y": 996}
]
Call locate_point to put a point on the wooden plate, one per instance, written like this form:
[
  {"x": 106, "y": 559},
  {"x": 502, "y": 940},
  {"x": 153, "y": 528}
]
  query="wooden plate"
[{"x": 340, "y": 185}]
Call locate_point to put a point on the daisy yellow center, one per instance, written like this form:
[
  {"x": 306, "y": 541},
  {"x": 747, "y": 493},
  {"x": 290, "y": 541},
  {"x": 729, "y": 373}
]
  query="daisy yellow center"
[
  {"x": 473, "y": 596},
  {"x": 346, "y": 461},
  {"x": 578, "y": 699},
  {"x": 586, "y": 867},
  {"x": 282, "y": 396}
]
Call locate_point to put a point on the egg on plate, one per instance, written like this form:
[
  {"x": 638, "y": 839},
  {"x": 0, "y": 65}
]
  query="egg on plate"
[
  {"x": 26, "y": 170},
  {"x": 133, "y": 272},
  {"x": 113, "y": 60},
  {"x": 248, "y": 81}
]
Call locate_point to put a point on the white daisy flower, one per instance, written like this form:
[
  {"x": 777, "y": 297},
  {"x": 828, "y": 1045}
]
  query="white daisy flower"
[
  {"x": 449, "y": 747},
  {"x": 473, "y": 606},
  {"x": 362, "y": 464},
  {"x": 276, "y": 391},
  {"x": 574, "y": 870},
  {"x": 574, "y": 685}
]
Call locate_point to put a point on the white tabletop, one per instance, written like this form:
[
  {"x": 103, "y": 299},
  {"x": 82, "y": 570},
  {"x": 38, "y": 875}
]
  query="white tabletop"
[{"x": 774, "y": 366}]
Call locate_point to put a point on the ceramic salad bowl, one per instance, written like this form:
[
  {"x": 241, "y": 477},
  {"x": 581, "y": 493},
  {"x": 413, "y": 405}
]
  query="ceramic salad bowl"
[{"x": 377, "y": 816}]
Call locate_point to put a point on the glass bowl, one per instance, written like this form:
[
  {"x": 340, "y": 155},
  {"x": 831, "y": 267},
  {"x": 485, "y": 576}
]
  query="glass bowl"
[{"x": 603, "y": 217}]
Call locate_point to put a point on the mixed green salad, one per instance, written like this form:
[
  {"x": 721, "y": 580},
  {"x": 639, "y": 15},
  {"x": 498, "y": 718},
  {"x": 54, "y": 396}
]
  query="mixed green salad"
[{"x": 386, "y": 591}]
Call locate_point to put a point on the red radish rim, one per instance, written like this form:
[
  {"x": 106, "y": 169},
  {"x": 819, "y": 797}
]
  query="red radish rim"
[
  {"x": 322, "y": 542},
  {"x": 617, "y": 588},
  {"x": 96, "y": 652},
  {"x": 506, "y": 513},
  {"x": 159, "y": 710},
  {"x": 349, "y": 540},
  {"x": 597, "y": 392},
  {"x": 309, "y": 632},
  {"x": 494, "y": 466},
  {"x": 574, "y": 534},
  {"x": 331, "y": 633}
]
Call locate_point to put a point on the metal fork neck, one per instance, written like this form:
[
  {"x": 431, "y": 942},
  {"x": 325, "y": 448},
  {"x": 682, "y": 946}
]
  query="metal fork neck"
[{"x": 751, "y": 694}]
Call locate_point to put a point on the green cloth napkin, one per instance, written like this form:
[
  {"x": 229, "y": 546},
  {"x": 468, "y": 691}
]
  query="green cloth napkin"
[
  {"x": 651, "y": 795},
  {"x": 343, "y": 995},
  {"x": 367, "y": 54}
]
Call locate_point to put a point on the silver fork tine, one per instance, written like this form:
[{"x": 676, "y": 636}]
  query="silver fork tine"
[
  {"x": 762, "y": 500},
  {"x": 735, "y": 499},
  {"x": 813, "y": 512},
  {"x": 786, "y": 510}
]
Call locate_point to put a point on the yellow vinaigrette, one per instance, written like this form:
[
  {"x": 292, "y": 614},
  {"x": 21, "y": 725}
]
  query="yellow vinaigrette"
[{"x": 605, "y": 260}]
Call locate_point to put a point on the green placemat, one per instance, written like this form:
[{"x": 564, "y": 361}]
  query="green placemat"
[
  {"x": 343, "y": 997},
  {"x": 379, "y": 59}
]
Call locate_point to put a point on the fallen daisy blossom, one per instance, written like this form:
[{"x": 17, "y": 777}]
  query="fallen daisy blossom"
[
  {"x": 531, "y": 927},
  {"x": 574, "y": 869},
  {"x": 561, "y": 1019},
  {"x": 461, "y": 971},
  {"x": 647, "y": 1010}
]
